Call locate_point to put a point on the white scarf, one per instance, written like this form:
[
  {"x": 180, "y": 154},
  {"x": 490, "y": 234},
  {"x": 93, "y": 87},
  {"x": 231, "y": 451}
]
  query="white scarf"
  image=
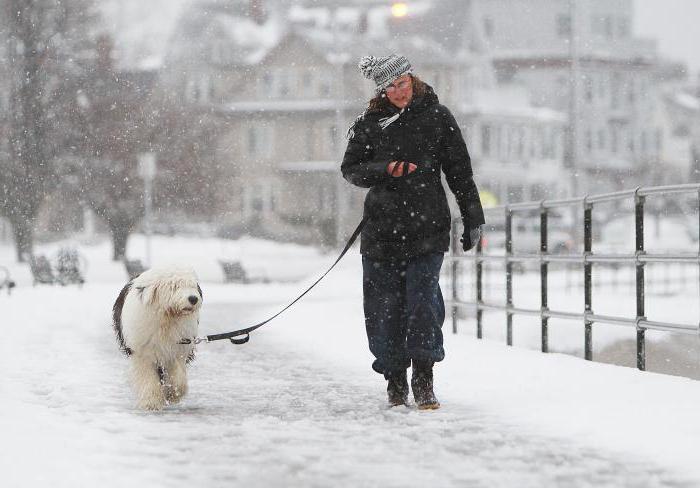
[{"x": 383, "y": 123}]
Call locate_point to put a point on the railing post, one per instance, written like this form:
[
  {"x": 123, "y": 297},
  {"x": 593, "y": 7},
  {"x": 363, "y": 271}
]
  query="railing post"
[
  {"x": 587, "y": 275},
  {"x": 479, "y": 289},
  {"x": 543, "y": 278},
  {"x": 509, "y": 276},
  {"x": 455, "y": 272},
  {"x": 639, "y": 266}
]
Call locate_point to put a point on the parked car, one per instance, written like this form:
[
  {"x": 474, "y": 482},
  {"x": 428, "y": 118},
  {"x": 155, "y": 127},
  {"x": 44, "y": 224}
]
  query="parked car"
[
  {"x": 661, "y": 233},
  {"x": 526, "y": 238}
]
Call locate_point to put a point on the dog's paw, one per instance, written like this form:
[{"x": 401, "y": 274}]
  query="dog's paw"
[
  {"x": 174, "y": 393},
  {"x": 154, "y": 400},
  {"x": 152, "y": 405}
]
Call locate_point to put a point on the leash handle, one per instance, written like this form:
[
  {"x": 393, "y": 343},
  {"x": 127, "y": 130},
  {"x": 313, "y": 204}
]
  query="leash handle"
[
  {"x": 239, "y": 342},
  {"x": 246, "y": 331}
]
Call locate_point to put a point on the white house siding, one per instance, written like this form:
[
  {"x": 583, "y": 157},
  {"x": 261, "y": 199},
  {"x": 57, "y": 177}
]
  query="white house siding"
[{"x": 615, "y": 87}]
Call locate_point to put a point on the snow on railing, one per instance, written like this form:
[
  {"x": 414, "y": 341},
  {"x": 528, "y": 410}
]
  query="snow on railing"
[{"x": 585, "y": 260}]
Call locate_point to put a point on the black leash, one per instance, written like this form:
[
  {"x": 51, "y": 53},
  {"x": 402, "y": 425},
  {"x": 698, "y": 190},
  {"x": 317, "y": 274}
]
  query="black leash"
[{"x": 246, "y": 332}]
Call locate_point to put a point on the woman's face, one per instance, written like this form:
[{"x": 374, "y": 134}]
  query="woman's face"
[{"x": 400, "y": 92}]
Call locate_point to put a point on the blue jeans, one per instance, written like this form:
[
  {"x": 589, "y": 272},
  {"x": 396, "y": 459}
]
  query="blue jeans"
[{"x": 404, "y": 311}]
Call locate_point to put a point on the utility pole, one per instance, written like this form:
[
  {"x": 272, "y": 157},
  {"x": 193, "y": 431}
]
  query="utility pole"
[{"x": 571, "y": 152}]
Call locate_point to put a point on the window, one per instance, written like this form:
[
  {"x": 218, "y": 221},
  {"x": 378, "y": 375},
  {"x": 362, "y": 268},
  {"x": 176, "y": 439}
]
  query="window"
[
  {"x": 632, "y": 92},
  {"x": 615, "y": 89},
  {"x": 486, "y": 140},
  {"x": 548, "y": 144},
  {"x": 324, "y": 85},
  {"x": 608, "y": 27},
  {"x": 623, "y": 27},
  {"x": 588, "y": 88},
  {"x": 497, "y": 143},
  {"x": 266, "y": 84},
  {"x": 520, "y": 144},
  {"x": 602, "y": 87},
  {"x": 283, "y": 83},
  {"x": 488, "y": 27},
  {"x": 603, "y": 25},
  {"x": 260, "y": 141},
  {"x": 307, "y": 87},
  {"x": 334, "y": 139},
  {"x": 563, "y": 26}
]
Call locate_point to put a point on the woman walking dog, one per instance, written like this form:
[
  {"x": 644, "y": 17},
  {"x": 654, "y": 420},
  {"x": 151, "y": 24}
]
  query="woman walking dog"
[{"x": 397, "y": 148}]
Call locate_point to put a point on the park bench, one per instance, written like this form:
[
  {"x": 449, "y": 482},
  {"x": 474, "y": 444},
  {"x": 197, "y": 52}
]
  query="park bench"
[
  {"x": 69, "y": 267},
  {"x": 6, "y": 280},
  {"x": 42, "y": 274},
  {"x": 134, "y": 267},
  {"x": 233, "y": 272}
]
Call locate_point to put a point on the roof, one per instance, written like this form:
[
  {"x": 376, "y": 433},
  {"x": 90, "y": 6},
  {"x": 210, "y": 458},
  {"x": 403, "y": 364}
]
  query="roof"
[
  {"x": 253, "y": 41},
  {"x": 283, "y": 105},
  {"x": 141, "y": 30},
  {"x": 509, "y": 102}
]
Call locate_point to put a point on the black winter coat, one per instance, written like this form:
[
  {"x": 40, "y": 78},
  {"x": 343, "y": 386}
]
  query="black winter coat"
[{"x": 408, "y": 216}]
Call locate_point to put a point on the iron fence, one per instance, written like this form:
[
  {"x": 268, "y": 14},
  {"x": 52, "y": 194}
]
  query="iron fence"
[{"x": 584, "y": 260}]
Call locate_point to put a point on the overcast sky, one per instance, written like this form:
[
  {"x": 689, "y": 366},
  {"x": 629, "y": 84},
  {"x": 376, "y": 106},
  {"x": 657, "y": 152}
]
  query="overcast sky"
[{"x": 676, "y": 26}]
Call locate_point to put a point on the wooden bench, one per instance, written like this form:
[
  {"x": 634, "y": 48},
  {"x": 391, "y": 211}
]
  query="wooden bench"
[
  {"x": 6, "y": 280},
  {"x": 69, "y": 267},
  {"x": 233, "y": 272},
  {"x": 41, "y": 270}
]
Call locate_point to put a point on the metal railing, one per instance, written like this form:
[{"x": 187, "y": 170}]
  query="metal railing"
[{"x": 586, "y": 259}]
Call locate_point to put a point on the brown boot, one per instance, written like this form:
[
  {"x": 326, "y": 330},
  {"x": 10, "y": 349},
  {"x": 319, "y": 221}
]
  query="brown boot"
[
  {"x": 422, "y": 386},
  {"x": 397, "y": 388}
]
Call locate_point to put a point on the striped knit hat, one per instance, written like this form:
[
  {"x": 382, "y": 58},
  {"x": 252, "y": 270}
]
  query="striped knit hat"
[{"x": 384, "y": 70}]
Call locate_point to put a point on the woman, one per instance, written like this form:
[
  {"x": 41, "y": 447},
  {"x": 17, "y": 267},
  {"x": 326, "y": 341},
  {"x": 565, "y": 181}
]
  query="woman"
[{"x": 397, "y": 148}]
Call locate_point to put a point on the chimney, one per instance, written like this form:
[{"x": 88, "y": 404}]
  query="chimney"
[{"x": 256, "y": 11}]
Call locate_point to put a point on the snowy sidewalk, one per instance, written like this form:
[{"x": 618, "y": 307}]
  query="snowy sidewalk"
[
  {"x": 265, "y": 415},
  {"x": 300, "y": 406},
  {"x": 279, "y": 411}
]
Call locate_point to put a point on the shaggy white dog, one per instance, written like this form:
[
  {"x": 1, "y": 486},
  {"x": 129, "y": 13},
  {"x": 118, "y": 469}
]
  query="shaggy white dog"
[{"x": 152, "y": 314}]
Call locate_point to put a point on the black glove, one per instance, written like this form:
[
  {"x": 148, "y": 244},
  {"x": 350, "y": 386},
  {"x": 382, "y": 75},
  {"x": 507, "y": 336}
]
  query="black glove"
[{"x": 470, "y": 237}]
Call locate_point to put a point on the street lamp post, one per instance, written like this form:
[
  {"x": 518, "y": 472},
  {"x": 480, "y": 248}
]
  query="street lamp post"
[
  {"x": 339, "y": 59},
  {"x": 147, "y": 171}
]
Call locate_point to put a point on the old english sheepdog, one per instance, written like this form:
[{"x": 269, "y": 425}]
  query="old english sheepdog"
[{"x": 152, "y": 314}]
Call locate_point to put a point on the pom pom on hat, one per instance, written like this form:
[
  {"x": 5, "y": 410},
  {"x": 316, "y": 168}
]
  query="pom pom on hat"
[{"x": 366, "y": 65}]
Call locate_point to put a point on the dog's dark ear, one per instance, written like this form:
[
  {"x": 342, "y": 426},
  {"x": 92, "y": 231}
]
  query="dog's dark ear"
[
  {"x": 117, "y": 318},
  {"x": 199, "y": 289}
]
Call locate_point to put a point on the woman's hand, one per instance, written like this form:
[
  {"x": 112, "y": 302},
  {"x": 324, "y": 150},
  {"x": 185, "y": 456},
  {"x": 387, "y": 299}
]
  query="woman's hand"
[{"x": 400, "y": 168}]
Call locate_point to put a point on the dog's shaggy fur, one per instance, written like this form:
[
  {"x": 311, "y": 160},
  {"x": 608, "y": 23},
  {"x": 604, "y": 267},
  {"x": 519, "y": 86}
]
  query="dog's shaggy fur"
[{"x": 152, "y": 314}]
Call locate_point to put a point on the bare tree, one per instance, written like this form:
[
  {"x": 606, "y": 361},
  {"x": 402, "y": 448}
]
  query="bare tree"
[
  {"x": 117, "y": 114},
  {"x": 109, "y": 121},
  {"x": 45, "y": 42}
]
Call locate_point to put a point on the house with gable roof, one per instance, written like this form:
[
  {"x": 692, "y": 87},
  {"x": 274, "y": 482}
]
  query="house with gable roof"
[{"x": 286, "y": 91}]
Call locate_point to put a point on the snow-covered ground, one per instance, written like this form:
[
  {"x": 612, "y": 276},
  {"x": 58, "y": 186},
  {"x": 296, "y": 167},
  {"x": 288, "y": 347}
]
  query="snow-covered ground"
[{"x": 300, "y": 406}]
